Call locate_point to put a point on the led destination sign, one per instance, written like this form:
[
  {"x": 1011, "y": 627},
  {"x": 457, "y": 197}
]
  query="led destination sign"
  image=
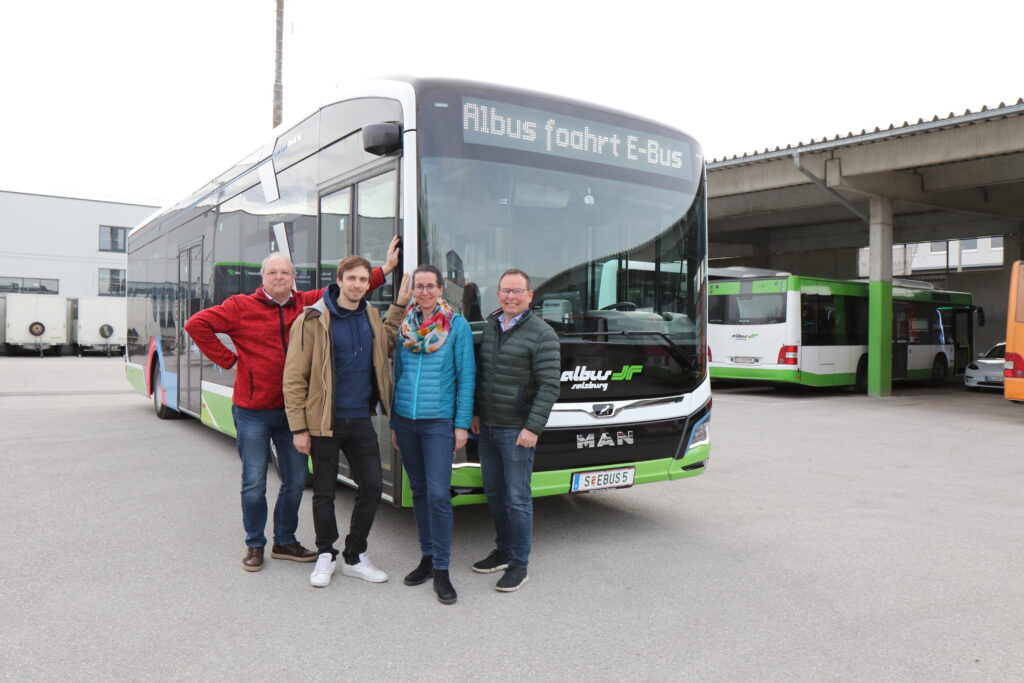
[{"x": 504, "y": 125}]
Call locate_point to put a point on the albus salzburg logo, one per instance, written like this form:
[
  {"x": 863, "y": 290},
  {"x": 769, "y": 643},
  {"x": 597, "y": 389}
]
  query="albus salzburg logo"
[
  {"x": 744, "y": 336},
  {"x": 598, "y": 379}
]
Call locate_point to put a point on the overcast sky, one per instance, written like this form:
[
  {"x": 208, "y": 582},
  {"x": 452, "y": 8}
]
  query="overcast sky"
[{"x": 146, "y": 100}]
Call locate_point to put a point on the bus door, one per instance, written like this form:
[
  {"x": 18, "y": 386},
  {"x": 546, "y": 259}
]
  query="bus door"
[
  {"x": 361, "y": 217},
  {"x": 963, "y": 338},
  {"x": 900, "y": 338},
  {"x": 190, "y": 302}
]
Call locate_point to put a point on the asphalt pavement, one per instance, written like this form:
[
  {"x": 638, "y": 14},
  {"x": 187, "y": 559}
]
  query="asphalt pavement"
[{"x": 834, "y": 537}]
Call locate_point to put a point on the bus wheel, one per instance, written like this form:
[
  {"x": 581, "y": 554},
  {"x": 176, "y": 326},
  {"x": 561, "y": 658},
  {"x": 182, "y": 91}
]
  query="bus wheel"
[
  {"x": 860, "y": 385},
  {"x": 162, "y": 411},
  {"x": 308, "y": 479},
  {"x": 939, "y": 367}
]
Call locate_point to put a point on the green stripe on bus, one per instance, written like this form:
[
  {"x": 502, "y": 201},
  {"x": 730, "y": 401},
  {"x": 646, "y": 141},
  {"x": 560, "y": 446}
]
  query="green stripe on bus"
[
  {"x": 216, "y": 413},
  {"x": 765, "y": 375},
  {"x": 723, "y": 288},
  {"x": 757, "y": 287},
  {"x": 557, "y": 482},
  {"x": 769, "y": 286},
  {"x": 837, "y": 379},
  {"x": 136, "y": 378}
]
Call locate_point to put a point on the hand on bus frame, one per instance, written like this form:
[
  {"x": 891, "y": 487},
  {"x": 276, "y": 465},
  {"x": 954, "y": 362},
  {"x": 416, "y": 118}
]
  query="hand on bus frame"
[
  {"x": 404, "y": 291},
  {"x": 391, "y": 260}
]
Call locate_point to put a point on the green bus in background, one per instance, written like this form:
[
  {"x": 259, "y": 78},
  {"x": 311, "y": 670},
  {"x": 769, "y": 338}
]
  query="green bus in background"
[{"x": 783, "y": 328}]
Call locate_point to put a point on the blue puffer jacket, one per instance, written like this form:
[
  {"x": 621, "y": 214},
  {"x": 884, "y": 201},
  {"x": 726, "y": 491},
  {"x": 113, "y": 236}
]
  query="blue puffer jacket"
[{"x": 438, "y": 385}]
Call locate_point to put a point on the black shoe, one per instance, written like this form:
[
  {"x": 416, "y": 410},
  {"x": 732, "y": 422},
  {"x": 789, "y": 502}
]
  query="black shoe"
[
  {"x": 423, "y": 571},
  {"x": 293, "y": 551},
  {"x": 513, "y": 579},
  {"x": 496, "y": 561},
  {"x": 444, "y": 588}
]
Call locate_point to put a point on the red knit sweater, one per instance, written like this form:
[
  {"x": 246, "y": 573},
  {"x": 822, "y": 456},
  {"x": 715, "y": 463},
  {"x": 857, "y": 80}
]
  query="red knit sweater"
[{"x": 259, "y": 328}]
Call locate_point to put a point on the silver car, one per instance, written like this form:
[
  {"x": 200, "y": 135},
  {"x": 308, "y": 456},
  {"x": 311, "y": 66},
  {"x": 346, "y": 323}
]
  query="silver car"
[{"x": 987, "y": 371}]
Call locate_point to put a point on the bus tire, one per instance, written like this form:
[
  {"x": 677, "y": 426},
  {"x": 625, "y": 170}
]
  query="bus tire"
[
  {"x": 162, "y": 411},
  {"x": 860, "y": 384},
  {"x": 307, "y": 480},
  {"x": 939, "y": 369}
]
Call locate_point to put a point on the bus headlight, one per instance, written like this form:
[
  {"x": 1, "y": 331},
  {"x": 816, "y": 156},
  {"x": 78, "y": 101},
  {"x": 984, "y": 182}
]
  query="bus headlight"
[{"x": 701, "y": 435}]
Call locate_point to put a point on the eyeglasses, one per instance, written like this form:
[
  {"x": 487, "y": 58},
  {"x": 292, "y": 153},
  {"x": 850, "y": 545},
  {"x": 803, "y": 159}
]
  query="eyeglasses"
[
  {"x": 426, "y": 288},
  {"x": 509, "y": 292}
]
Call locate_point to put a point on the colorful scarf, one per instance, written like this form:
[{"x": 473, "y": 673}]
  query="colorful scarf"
[{"x": 427, "y": 336}]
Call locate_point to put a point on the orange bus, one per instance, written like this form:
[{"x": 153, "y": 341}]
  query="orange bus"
[{"x": 1013, "y": 372}]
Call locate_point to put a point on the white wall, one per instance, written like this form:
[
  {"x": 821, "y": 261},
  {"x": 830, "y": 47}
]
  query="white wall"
[{"x": 43, "y": 236}]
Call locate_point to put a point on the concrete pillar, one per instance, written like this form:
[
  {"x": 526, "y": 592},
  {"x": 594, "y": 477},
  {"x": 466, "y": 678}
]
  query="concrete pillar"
[
  {"x": 762, "y": 257},
  {"x": 880, "y": 302}
]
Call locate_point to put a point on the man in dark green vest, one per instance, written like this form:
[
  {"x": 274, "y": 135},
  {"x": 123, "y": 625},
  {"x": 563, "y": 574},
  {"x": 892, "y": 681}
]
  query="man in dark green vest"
[{"x": 517, "y": 383}]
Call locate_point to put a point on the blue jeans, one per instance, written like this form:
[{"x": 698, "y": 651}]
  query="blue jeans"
[
  {"x": 427, "y": 448},
  {"x": 255, "y": 430},
  {"x": 507, "y": 470}
]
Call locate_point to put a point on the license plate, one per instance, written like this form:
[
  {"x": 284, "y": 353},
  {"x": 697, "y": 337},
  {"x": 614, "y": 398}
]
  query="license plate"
[
  {"x": 602, "y": 479},
  {"x": 996, "y": 378},
  {"x": 749, "y": 360}
]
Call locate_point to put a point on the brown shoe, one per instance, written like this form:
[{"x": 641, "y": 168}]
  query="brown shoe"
[
  {"x": 293, "y": 551},
  {"x": 253, "y": 561}
]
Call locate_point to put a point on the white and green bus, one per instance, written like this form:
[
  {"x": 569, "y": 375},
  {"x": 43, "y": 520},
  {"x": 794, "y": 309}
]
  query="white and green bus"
[
  {"x": 475, "y": 179},
  {"x": 790, "y": 329}
]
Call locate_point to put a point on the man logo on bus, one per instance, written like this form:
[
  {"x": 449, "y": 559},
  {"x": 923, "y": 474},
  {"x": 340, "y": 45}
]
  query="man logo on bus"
[
  {"x": 598, "y": 379},
  {"x": 592, "y": 440}
]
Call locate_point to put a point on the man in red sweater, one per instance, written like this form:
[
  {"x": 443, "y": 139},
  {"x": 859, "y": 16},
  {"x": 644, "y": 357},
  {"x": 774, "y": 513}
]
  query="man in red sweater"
[{"x": 258, "y": 325}]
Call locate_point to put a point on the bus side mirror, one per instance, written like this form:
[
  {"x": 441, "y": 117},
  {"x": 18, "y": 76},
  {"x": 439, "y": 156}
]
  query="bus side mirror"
[
  {"x": 981, "y": 317},
  {"x": 382, "y": 138}
]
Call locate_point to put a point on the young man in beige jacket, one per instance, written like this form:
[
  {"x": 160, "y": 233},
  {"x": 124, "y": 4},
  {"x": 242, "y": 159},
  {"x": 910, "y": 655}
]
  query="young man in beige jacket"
[{"x": 336, "y": 376}]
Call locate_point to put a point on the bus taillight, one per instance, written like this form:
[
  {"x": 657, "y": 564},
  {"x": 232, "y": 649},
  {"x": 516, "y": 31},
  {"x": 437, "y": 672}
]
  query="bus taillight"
[
  {"x": 1013, "y": 365},
  {"x": 788, "y": 355}
]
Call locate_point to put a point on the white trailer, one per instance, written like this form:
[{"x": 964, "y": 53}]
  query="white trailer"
[
  {"x": 36, "y": 322},
  {"x": 100, "y": 324}
]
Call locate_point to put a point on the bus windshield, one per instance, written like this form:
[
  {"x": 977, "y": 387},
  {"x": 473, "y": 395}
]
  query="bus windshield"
[
  {"x": 602, "y": 254},
  {"x": 747, "y": 309}
]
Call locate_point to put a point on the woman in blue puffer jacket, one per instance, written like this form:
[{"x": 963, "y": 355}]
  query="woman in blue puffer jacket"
[{"x": 435, "y": 371}]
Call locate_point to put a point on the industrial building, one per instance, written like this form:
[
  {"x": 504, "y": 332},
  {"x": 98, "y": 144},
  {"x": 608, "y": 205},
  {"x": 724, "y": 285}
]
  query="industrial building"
[
  {"x": 62, "y": 247},
  {"x": 942, "y": 199}
]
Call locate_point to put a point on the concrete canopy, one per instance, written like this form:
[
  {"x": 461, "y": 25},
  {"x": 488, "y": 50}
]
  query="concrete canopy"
[
  {"x": 807, "y": 208},
  {"x": 972, "y": 163}
]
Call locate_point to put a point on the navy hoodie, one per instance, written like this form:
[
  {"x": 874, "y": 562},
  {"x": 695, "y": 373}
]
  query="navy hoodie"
[{"x": 352, "y": 347}]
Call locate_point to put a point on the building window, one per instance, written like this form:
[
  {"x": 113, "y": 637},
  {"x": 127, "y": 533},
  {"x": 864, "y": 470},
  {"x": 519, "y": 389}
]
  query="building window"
[
  {"x": 937, "y": 248},
  {"x": 111, "y": 282},
  {"x": 29, "y": 285},
  {"x": 996, "y": 242},
  {"x": 113, "y": 239},
  {"x": 969, "y": 245}
]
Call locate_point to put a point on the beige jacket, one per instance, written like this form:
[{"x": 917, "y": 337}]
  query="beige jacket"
[{"x": 309, "y": 367}]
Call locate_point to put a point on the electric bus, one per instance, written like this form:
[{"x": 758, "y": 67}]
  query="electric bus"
[
  {"x": 791, "y": 329},
  {"x": 475, "y": 179}
]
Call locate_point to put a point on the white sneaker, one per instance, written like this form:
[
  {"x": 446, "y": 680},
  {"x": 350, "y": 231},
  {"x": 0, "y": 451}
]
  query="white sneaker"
[
  {"x": 325, "y": 566},
  {"x": 364, "y": 570}
]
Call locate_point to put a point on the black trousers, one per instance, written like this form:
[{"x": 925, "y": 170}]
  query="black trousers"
[{"x": 357, "y": 439}]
